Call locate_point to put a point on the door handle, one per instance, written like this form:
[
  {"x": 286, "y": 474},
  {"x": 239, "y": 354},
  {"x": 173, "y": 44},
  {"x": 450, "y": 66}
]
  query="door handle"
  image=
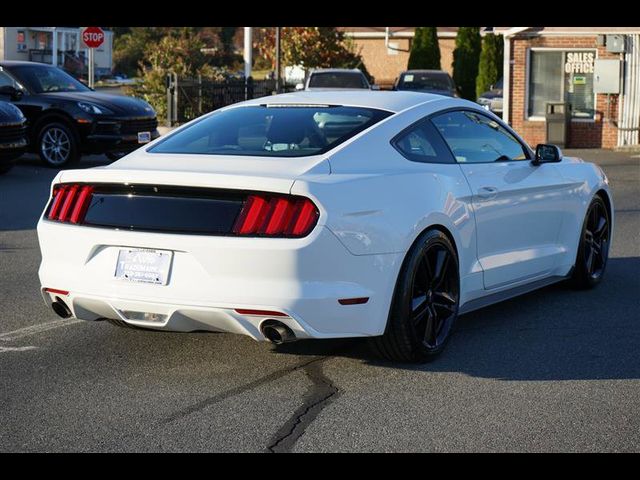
[{"x": 487, "y": 192}]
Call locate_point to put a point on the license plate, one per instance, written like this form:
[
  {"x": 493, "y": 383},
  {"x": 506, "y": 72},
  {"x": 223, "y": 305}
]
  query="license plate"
[
  {"x": 144, "y": 137},
  {"x": 143, "y": 265}
]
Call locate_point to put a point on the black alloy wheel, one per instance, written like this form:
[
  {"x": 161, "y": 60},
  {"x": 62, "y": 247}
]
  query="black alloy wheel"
[
  {"x": 425, "y": 304},
  {"x": 593, "y": 251}
]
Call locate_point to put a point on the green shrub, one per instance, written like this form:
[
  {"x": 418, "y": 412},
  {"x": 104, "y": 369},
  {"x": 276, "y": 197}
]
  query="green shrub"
[
  {"x": 490, "y": 67},
  {"x": 425, "y": 50},
  {"x": 180, "y": 55},
  {"x": 466, "y": 57}
]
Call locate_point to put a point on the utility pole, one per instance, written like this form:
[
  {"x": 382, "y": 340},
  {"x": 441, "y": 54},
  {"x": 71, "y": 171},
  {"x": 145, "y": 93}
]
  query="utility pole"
[
  {"x": 248, "y": 54},
  {"x": 277, "y": 59},
  {"x": 91, "y": 70},
  {"x": 248, "y": 42}
]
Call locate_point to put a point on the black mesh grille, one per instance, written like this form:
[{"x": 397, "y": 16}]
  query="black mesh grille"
[
  {"x": 12, "y": 133},
  {"x": 139, "y": 125},
  {"x": 106, "y": 128}
]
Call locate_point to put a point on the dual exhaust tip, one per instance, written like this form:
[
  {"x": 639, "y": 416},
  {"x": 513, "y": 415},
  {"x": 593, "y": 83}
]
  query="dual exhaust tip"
[{"x": 277, "y": 332}]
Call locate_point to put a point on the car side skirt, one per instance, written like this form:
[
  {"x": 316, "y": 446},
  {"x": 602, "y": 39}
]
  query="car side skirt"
[{"x": 503, "y": 295}]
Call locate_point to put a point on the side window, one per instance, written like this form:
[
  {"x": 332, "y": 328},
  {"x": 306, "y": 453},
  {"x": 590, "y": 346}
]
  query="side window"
[
  {"x": 476, "y": 138},
  {"x": 421, "y": 143},
  {"x": 6, "y": 80}
]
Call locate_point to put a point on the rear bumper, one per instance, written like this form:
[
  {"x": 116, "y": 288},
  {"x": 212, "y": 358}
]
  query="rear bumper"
[{"x": 211, "y": 277}]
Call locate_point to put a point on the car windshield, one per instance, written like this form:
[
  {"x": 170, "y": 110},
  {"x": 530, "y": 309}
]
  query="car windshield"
[
  {"x": 424, "y": 81},
  {"x": 337, "y": 80},
  {"x": 43, "y": 79},
  {"x": 271, "y": 131}
]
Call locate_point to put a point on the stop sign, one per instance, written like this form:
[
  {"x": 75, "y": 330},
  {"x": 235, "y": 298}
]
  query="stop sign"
[{"x": 92, "y": 37}]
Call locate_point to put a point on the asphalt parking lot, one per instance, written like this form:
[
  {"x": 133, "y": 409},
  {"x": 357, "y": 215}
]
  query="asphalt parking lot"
[{"x": 555, "y": 370}]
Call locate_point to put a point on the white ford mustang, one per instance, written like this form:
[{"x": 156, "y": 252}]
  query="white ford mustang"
[{"x": 324, "y": 215}]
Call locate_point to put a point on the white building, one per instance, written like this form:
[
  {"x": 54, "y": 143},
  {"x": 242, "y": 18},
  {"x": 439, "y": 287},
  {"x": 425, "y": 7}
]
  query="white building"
[{"x": 38, "y": 44}]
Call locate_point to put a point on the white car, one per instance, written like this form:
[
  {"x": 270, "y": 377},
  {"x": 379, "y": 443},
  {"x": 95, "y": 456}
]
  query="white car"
[{"x": 324, "y": 215}]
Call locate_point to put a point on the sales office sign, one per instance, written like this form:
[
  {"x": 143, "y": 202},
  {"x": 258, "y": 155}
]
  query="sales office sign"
[{"x": 579, "y": 62}]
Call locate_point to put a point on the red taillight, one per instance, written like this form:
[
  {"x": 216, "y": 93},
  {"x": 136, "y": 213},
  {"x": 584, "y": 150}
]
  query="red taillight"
[
  {"x": 56, "y": 291},
  {"x": 82, "y": 204},
  {"x": 58, "y": 196},
  {"x": 276, "y": 216},
  {"x": 70, "y": 203},
  {"x": 252, "y": 215}
]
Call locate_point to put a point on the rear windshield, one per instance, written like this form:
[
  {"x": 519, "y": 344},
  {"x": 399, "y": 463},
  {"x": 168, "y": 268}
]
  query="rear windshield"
[
  {"x": 425, "y": 81},
  {"x": 337, "y": 80},
  {"x": 271, "y": 131}
]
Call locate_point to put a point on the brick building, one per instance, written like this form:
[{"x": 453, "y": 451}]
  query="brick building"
[
  {"x": 564, "y": 64},
  {"x": 385, "y": 50}
]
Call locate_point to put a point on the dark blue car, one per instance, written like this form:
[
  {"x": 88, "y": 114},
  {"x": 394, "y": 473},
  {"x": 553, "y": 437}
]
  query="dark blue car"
[
  {"x": 13, "y": 135},
  {"x": 427, "y": 81}
]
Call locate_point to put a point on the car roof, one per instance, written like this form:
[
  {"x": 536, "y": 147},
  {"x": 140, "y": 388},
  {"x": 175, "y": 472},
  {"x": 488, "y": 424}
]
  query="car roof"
[
  {"x": 15, "y": 63},
  {"x": 392, "y": 101},
  {"x": 438, "y": 72},
  {"x": 336, "y": 70}
]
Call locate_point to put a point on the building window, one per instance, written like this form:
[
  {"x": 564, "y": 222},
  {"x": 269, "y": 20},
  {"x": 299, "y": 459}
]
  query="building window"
[
  {"x": 21, "y": 41},
  {"x": 393, "y": 48},
  {"x": 43, "y": 41},
  {"x": 561, "y": 76}
]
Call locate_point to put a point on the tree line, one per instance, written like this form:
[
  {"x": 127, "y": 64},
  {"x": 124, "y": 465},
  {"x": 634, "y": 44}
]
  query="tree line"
[
  {"x": 151, "y": 52},
  {"x": 477, "y": 61}
]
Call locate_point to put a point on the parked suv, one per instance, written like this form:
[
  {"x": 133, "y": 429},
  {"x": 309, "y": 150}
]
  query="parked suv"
[
  {"x": 427, "y": 81},
  {"x": 66, "y": 118},
  {"x": 336, "y": 78},
  {"x": 13, "y": 135}
]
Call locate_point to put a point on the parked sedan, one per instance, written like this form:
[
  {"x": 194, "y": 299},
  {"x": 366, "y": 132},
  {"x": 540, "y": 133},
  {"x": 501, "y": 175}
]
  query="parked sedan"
[
  {"x": 324, "y": 215},
  {"x": 13, "y": 135},
  {"x": 427, "y": 81},
  {"x": 67, "y": 119}
]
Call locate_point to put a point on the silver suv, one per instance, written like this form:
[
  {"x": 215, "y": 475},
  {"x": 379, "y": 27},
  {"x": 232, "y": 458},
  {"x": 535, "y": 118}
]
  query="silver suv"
[{"x": 336, "y": 79}]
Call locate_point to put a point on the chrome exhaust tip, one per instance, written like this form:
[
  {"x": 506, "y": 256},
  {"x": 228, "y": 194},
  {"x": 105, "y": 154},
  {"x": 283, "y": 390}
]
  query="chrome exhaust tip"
[{"x": 277, "y": 332}]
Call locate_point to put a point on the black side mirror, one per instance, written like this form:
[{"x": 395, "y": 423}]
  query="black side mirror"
[
  {"x": 547, "y": 154},
  {"x": 11, "y": 92}
]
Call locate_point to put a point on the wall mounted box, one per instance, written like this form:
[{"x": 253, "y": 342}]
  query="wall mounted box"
[
  {"x": 616, "y": 43},
  {"x": 606, "y": 76}
]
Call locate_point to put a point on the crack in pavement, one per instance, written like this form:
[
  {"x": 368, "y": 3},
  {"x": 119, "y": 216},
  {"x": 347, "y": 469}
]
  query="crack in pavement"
[
  {"x": 321, "y": 393},
  {"x": 238, "y": 390}
]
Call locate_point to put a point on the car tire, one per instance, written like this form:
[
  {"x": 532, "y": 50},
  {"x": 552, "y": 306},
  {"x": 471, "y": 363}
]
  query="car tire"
[
  {"x": 6, "y": 166},
  {"x": 58, "y": 145},
  {"x": 593, "y": 251},
  {"x": 425, "y": 303}
]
